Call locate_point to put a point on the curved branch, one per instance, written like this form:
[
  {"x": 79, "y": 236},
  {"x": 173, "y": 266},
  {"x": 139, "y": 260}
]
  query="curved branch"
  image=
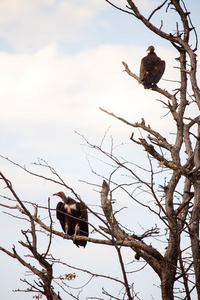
[
  {"x": 154, "y": 88},
  {"x": 142, "y": 125},
  {"x": 156, "y": 9}
]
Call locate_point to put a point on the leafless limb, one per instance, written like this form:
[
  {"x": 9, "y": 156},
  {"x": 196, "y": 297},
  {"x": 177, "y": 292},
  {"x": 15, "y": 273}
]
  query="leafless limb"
[{"x": 156, "y": 9}]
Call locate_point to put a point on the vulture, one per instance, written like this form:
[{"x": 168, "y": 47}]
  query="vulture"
[
  {"x": 73, "y": 218},
  {"x": 151, "y": 69}
]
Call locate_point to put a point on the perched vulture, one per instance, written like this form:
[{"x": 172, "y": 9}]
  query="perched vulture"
[
  {"x": 151, "y": 69},
  {"x": 73, "y": 217}
]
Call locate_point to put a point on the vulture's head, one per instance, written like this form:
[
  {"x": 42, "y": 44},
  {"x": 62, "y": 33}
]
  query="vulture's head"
[
  {"x": 151, "y": 49},
  {"x": 60, "y": 194}
]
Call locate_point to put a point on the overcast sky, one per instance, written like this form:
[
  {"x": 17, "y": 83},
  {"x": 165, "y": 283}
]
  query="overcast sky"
[{"x": 60, "y": 61}]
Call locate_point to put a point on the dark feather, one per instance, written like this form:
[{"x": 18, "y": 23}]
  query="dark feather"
[
  {"x": 60, "y": 214},
  {"x": 84, "y": 219}
]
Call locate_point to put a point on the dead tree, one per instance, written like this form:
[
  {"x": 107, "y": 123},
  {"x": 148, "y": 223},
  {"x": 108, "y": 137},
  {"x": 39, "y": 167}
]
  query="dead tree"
[{"x": 180, "y": 160}]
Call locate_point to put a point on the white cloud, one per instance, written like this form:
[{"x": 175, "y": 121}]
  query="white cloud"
[{"x": 44, "y": 88}]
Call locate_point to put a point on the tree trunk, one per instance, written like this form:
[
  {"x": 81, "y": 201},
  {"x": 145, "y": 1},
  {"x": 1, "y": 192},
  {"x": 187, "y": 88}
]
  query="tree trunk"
[
  {"x": 167, "y": 282},
  {"x": 194, "y": 236}
]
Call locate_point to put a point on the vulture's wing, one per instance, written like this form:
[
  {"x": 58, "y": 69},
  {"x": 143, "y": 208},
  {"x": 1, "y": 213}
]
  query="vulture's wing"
[
  {"x": 60, "y": 214},
  {"x": 143, "y": 71},
  {"x": 158, "y": 71},
  {"x": 84, "y": 218}
]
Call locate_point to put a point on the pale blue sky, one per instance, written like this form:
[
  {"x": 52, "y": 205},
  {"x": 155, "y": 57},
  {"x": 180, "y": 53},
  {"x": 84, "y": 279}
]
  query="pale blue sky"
[{"x": 60, "y": 61}]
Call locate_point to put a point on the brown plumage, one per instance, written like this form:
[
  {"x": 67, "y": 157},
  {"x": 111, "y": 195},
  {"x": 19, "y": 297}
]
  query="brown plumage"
[
  {"x": 151, "y": 69},
  {"x": 73, "y": 218}
]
